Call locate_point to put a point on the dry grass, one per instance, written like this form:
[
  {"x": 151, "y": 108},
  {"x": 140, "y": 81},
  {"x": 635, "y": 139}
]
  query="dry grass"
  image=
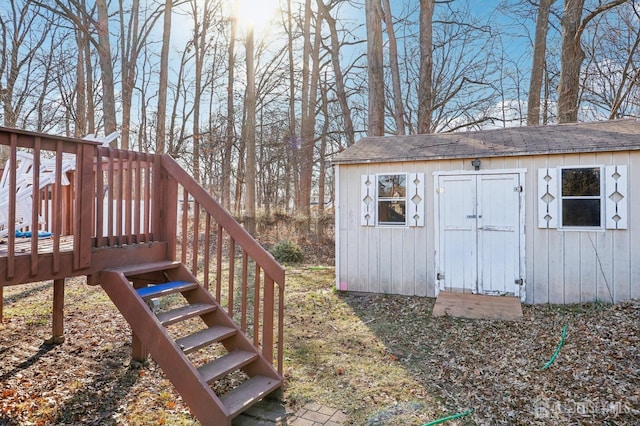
[
  {"x": 381, "y": 359},
  {"x": 386, "y": 360}
]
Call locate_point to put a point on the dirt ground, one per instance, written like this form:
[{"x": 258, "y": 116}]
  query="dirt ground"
[{"x": 383, "y": 360}]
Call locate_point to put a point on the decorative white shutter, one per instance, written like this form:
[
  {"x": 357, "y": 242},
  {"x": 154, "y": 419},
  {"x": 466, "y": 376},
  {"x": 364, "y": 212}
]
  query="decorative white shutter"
[
  {"x": 368, "y": 200},
  {"x": 616, "y": 197},
  {"x": 548, "y": 198},
  {"x": 415, "y": 199}
]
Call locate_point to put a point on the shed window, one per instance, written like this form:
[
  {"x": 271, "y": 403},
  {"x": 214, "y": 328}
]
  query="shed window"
[
  {"x": 392, "y": 199},
  {"x": 581, "y": 197}
]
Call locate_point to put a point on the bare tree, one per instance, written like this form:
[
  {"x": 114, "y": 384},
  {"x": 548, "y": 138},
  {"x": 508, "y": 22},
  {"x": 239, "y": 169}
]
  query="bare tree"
[
  {"x": 425, "y": 85},
  {"x": 202, "y": 20},
  {"x": 161, "y": 134},
  {"x": 133, "y": 35},
  {"x": 539, "y": 62},
  {"x": 573, "y": 25},
  {"x": 611, "y": 72},
  {"x": 230, "y": 124},
  {"x": 341, "y": 92},
  {"x": 375, "y": 67},
  {"x": 18, "y": 52},
  {"x": 398, "y": 110},
  {"x": 308, "y": 107},
  {"x": 106, "y": 68},
  {"x": 250, "y": 137}
]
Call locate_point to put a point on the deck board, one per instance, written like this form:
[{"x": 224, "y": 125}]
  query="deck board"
[
  {"x": 45, "y": 245},
  {"x": 477, "y": 306}
]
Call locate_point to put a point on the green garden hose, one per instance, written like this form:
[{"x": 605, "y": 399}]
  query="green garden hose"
[
  {"x": 446, "y": 419},
  {"x": 555, "y": 354}
]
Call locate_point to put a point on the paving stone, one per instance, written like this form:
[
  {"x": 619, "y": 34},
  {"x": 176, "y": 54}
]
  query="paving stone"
[
  {"x": 327, "y": 410},
  {"x": 313, "y": 406},
  {"x": 316, "y": 417},
  {"x": 302, "y": 422},
  {"x": 339, "y": 417},
  {"x": 264, "y": 413},
  {"x": 268, "y": 410}
]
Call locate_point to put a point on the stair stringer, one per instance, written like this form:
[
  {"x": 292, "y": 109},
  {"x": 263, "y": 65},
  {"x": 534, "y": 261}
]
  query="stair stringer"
[
  {"x": 196, "y": 393},
  {"x": 220, "y": 317}
]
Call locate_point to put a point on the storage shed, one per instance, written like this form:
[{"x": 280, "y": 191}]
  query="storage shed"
[{"x": 542, "y": 213}]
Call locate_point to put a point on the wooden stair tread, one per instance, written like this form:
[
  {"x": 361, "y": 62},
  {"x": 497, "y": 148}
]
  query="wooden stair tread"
[
  {"x": 204, "y": 338},
  {"x": 248, "y": 393},
  {"x": 184, "y": 313},
  {"x": 144, "y": 268},
  {"x": 224, "y": 365},
  {"x": 165, "y": 289}
]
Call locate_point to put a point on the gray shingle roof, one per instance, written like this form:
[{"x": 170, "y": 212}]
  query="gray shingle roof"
[{"x": 614, "y": 135}]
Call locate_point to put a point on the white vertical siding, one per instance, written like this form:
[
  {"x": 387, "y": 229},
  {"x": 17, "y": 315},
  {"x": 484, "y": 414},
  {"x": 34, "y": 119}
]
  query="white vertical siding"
[
  {"x": 561, "y": 266},
  {"x": 389, "y": 259}
]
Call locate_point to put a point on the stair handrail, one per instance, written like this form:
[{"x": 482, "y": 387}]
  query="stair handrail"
[
  {"x": 224, "y": 218},
  {"x": 273, "y": 271}
]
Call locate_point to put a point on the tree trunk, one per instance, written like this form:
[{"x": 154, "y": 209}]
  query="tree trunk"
[
  {"x": 88, "y": 68},
  {"x": 200, "y": 31},
  {"x": 292, "y": 154},
  {"x": 539, "y": 62},
  {"x": 163, "y": 78},
  {"x": 80, "y": 125},
  {"x": 303, "y": 198},
  {"x": 571, "y": 62},
  {"x": 106, "y": 68},
  {"x": 128, "y": 59},
  {"x": 250, "y": 137},
  {"x": 398, "y": 111},
  {"x": 425, "y": 91},
  {"x": 230, "y": 131},
  {"x": 374, "y": 68},
  {"x": 572, "y": 55},
  {"x": 341, "y": 92}
]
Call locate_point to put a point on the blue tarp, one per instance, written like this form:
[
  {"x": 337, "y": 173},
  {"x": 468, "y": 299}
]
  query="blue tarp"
[{"x": 27, "y": 234}]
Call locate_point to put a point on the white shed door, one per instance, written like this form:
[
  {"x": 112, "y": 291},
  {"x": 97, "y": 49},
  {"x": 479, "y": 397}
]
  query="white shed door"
[{"x": 479, "y": 233}]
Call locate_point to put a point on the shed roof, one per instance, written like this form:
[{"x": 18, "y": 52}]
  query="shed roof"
[{"x": 613, "y": 135}]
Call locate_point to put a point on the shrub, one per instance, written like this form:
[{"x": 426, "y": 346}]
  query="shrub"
[{"x": 287, "y": 252}]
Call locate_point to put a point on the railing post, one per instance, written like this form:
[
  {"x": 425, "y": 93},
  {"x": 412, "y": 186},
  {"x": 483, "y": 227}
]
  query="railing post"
[
  {"x": 84, "y": 206},
  {"x": 165, "y": 207},
  {"x": 267, "y": 319}
]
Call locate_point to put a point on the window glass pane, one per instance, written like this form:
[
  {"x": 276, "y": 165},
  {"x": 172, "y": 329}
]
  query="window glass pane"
[
  {"x": 580, "y": 212},
  {"x": 391, "y": 212},
  {"x": 392, "y": 186},
  {"x": 581, "y": 182}
]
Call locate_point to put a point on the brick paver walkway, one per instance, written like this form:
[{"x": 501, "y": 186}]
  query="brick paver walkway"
[
  {"x": 314, "y": 414},
  {"x": 272, "y": 413}
]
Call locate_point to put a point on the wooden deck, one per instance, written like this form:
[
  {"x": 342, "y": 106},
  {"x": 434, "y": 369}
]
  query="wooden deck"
[
  {"x": 477, "y": 306},
  {"x": 111, "y": 209}
]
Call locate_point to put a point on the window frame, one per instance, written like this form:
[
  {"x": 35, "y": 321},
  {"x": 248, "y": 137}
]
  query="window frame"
[
  {"x": 601, "y": 197},
  {"x": 405, "y": 199}
]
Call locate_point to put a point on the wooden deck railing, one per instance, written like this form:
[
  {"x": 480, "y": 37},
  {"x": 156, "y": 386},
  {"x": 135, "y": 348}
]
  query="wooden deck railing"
[
  {"x": 35, "y": 205},
  {"x": 122, "y": 199}
]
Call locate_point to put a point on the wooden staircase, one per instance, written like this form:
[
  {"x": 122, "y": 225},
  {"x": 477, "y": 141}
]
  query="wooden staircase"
[{"x": 139, "y": 291}]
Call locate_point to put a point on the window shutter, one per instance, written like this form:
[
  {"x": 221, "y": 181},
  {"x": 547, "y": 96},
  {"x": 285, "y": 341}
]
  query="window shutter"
[
  {"x": 415, "y": 199},
  {"x": 616, "y": 197},
  {"x": 368, "y": 200},
  {"x": 548, "y": 198}
]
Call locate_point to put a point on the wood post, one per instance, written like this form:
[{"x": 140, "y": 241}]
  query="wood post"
[
  {"x": 138, "y": 351},
  {"x": 57, "y": 332},
  {"x": 1, "y": 302}
]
